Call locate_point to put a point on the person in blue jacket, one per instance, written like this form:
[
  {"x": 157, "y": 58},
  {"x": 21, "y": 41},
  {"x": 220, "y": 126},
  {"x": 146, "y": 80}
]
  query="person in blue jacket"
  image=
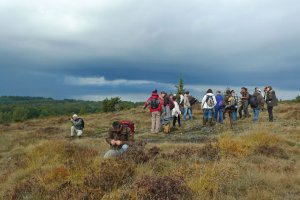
[{"x": 219, "y": 108}]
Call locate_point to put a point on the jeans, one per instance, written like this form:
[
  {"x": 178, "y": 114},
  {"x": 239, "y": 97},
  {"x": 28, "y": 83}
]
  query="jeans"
[
  {"x": 234, "y": 115},
  {"x": 219, "y": 114},
  {"x": 118, "y": 152},
  {"x": 187, "y": 111},
  {"x": 207, "y": 113},
  {"x": 255, "y": 114}
]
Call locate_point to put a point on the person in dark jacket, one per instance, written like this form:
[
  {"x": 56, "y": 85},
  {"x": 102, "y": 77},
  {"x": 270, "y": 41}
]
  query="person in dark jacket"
[
  {"x": 156, "y": 105},
  {"x": 258, "y": 105},
  {"x": 271, "y": 101},
  {"x": 218, "y": 115},
  {"x": 244, "y": 103},
  {"x": 78, "y": 126},
  {"x": 119, "y": 138},
  {"x": 229, "y": 102}
]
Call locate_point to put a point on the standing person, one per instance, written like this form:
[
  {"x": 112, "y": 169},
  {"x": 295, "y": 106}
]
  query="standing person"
[
  {"x": 236, "y": 102},
  {"x": 207, "y": 104},
  {"x": 180, "y": 102},
  {"x": 244, "y": 103},
  {"x": 257, "y": 103},
  {"x": 155, "y": 104},
  {"x": 119, "y": 138},
  {"x": 271, "y": 101},
  {"x": 187, "y": 106},
  {"x": 176, "y": 112},
  {"x": 166, "y": 117},
  {"x": 229, "y": 106},
  {"x": 219, "y": 108},
  {"x": 78, "y": 126}
]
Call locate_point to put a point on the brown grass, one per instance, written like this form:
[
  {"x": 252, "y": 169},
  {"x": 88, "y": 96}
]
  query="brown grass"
[{"x": 250, "y": 161}]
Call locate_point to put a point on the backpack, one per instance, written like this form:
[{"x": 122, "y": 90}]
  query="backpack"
[
  {"x": 82, "y": 122},
  {"x": 210, "y": 101},
  {"x": 192, "y": 100},
  {"x": 253, "y": 101},
  {"x": 129, "y": 124},
  {"x": 154, "y": 103}
]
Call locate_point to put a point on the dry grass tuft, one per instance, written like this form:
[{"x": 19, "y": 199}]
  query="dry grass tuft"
[
  {"x": 214, "y": 180},
  {"x": 241, "y": 146},
  {"x": 271, "y": 151},
  {"x": 207, "y": 152},
  {"x": 112, "y": 174}
]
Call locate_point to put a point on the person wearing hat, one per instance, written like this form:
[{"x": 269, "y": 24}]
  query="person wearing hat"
[
  {"x": 78, "y": 126},
  {"x": 119, "y": 138},
  {"x": 156, "y": 104}
]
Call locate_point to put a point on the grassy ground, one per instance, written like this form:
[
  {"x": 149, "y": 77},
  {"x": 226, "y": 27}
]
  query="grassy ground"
[{"x": 251, "y": 161}]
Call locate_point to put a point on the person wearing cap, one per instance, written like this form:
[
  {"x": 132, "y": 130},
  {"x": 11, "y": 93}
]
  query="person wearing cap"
[
  {"x": 119, "y": 138},
  {"x": 219, "y": 108},
  {"x": 271, "y": 101},
  {"x": 78, "y": 126},
  {"x": 156, "y": 104},
  {"x": 256, "y": 103}
]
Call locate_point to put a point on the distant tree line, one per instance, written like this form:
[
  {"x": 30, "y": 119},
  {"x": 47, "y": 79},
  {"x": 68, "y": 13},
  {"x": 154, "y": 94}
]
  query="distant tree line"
[{"x": 17, "y": 109}]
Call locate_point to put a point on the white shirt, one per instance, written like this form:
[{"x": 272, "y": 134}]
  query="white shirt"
[{"x": 204, "y": 104}]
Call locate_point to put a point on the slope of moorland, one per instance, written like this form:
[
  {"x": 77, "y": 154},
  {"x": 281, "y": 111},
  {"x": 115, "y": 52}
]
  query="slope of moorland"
[{"x": 251, "y": 161}]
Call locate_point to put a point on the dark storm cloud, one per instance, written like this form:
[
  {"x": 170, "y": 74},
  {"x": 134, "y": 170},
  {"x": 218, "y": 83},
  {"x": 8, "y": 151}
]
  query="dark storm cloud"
[{"x": 251, "y": 42}]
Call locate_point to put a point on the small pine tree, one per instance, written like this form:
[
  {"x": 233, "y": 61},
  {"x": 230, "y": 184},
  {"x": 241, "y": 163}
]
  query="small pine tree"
[{"x": 180, "y": 86}]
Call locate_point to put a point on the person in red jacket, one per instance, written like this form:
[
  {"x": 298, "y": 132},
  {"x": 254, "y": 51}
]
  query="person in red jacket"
[{"x": 155, "y": 104}]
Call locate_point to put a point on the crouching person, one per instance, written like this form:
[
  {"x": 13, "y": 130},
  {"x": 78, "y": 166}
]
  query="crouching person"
[
  {"x": 119, "y": 138},
  {"x": 78, "y": 126}
]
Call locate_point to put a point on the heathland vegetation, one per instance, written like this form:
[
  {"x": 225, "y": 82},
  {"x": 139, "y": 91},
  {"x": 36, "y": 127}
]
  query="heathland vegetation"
[{"x": 251, "y": 161}]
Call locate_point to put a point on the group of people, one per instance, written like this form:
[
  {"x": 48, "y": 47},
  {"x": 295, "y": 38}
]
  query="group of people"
[
  {"x": 166, "y": 109},
  {"x": 215, "y": 107}
]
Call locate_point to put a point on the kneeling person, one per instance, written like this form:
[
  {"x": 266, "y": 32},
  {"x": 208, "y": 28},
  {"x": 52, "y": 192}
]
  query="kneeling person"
[
  {"x": 119, "y": 138},
  {"x": 78, "y": 126}
]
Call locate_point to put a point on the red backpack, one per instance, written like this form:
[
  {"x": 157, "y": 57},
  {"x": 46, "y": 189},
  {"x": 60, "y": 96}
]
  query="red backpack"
[{"x": 129, "y": 124}]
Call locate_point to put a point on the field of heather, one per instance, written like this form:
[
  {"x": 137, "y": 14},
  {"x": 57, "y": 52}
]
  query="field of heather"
[{"x": 38, "y": 159}]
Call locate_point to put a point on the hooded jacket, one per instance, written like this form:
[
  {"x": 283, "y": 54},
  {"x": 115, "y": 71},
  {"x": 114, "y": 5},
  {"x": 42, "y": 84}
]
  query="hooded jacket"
[
  {"x": 260, "y": 99},
  {"x": 204, "y": 104}
]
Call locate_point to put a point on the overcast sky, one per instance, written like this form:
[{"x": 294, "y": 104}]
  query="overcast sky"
[{"x": 101, "y": 48}]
